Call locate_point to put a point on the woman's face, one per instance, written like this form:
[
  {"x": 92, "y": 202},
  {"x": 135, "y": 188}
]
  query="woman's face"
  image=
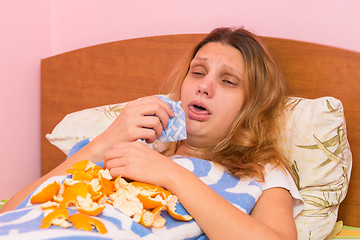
[{"x": 212, "y": 93}]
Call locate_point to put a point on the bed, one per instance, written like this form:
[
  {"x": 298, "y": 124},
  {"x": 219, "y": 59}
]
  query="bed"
[{"x": 120, "y": 71}]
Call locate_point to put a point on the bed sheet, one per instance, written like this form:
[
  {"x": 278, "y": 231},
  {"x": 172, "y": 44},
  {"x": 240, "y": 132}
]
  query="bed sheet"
[{"x": 24, "y": 222}]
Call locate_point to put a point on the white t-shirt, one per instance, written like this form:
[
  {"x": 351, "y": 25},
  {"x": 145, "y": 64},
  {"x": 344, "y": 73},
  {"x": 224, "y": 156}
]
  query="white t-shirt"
[{"x": 277, "y": 177}]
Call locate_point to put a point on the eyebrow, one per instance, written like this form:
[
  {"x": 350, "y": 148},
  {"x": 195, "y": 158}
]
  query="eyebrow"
[
  {"x": 200, "y": 59},
  {"x": 237, "y": 72},
  {"x": 204, "y": 59}
]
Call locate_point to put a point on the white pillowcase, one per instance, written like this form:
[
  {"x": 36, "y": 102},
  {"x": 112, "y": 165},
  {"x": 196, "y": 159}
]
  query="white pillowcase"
[
  {"x": 314, "y": 139},
  {"x": 87, "y": 123}
]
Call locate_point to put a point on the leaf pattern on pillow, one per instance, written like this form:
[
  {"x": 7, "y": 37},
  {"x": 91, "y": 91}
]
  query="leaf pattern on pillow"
[
  {"x": 336, "y": 111},
  {"x": 315, "y": 142},
  {"x": 292, "y": 103},
  {"x": 295, "y": 170},
  {"x": 111, "y": 111},
  {"x": 339, "y": 140},
  {"x": 323, "y": 205}
]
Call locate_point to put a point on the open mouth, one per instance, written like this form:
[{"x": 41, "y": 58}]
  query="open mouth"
[
  {"x": 198, "y": 108},
  {"x": 198, "y": 111}
]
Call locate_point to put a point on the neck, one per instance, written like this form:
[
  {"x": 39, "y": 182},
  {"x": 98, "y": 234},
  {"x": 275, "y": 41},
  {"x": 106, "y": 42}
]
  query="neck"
[{"x": 187, "y": 150}]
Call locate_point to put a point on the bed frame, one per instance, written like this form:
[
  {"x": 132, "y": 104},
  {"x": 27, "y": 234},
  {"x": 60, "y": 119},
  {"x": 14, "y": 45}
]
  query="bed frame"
[{"x": 90, "y": 77}]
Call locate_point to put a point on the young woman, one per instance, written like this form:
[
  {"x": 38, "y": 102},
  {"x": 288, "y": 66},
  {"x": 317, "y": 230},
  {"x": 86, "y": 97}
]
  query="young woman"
[{"x": 231, "y": 92}]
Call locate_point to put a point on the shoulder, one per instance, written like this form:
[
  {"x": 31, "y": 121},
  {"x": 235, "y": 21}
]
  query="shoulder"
[{"x": 277, "y": 177}]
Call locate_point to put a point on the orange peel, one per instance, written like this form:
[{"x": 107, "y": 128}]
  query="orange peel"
[
  {"x": 105, "y": 173},
  {"x": 57, "y": 217},
  {"x": 128, "y": 203},
  {"x": 92, "y": 187},
  {"x": 95, "y": 171},
  {"x": 120, "y": 183},
  {"x": 159, "y": 221},
  {"x": 82, "y": 176},
  {"x": 95, "y": 195},
  {"x": 150, "y": 202},
  {"x": 49, "y": 205},
  {"x": 171, "y": 209},
  {"x": 80, "y": 165},
  {"x": 151, "y": 196},
  {"x": 70, "y": 194},
  {"x": 46, "y": 194},
  {"x": 87, "y": 206},
  {"x": 71, "y": 171},
  {"x": 107, "y": 186},
  {"x": 68, "y": 182},
  {"x": 149, "y": 189},
  {"x": 84, "y": 222},
  {"x": 147, "y": 218}
]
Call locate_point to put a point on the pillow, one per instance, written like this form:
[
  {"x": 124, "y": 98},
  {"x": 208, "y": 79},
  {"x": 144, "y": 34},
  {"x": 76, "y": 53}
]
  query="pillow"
[
  {"x": 84, "y": 124},
  {"x": 313, "y": 138},
  {"x": 87, "y": 124}
]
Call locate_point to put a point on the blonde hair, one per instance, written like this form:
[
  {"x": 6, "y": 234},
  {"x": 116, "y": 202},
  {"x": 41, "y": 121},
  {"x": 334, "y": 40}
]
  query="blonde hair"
[{"x": 252, "y": 140}]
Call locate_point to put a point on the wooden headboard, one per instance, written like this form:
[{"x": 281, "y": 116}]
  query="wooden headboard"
[{"x": 90, "y": 77}]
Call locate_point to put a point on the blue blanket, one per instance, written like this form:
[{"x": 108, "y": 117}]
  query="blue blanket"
[{"x": 24, "y": 222}]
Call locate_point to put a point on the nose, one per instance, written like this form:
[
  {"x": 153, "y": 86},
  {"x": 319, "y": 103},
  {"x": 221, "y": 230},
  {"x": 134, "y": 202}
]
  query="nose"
[{"x": 206, "y": 86}]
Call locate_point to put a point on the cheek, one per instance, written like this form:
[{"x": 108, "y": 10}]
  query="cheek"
[
  {"x": 184, "y": 90},
  {"x": 231, "y": 112},
  {"x": 228, "y": 120}
]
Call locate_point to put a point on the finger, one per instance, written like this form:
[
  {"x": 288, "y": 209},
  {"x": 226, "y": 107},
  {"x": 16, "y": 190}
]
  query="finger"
[
  {"x": 114, "y": 163},
  {"x": 158, "y": 103},
  {"x": 149, "y": 115},
  {"x": 163, "y": 118},
  {"x": 149, "y": 135},
  {"x": 116, "y": 172},
  {"x": 167, "y": 108},
  {"x": 115, "y": 156},
  {"x": 153, "y": 123}
]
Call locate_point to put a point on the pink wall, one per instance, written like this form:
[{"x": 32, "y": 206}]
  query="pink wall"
[
  {"x": 25, "y": 39},
  {"x": 32, "y": 30},
  {"x": 331, "y": 22}
]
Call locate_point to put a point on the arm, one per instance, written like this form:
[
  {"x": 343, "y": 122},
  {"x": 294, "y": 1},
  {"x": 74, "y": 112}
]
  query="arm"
[
  {"x": 143, "y": 118},
  {"x": 90, "y": 151},
  {"x": 271, "y": 217}
]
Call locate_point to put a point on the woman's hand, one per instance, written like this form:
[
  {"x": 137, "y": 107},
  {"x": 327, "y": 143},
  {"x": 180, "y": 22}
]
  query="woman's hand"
[
  {"x": 144, "y": 118},
  {"x": 138, "y": 162}
]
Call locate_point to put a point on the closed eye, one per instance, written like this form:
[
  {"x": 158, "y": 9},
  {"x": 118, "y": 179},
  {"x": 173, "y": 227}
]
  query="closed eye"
[
  {"x": 198, "y": 73},
  {"x": 228, "y": 82}
]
